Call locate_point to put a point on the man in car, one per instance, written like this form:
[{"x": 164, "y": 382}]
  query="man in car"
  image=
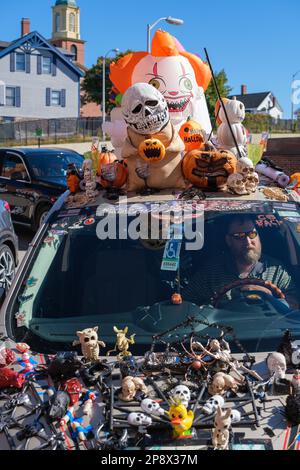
[{"x": 242, "y": 260}]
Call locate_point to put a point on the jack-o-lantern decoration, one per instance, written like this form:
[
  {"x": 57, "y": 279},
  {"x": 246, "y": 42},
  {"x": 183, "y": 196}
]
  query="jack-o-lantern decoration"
[
  {"x": 152, "y": 150},
  {"x": 191, "y": 134},
  {"x": 116, "y": 176},
  {"x": 106, "y": 157},
  {"x": 209, "y": 169}
]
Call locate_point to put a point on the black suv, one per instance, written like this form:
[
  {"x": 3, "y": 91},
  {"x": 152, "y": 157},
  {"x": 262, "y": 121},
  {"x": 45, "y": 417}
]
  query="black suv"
[{"x": 31, "y": 180}]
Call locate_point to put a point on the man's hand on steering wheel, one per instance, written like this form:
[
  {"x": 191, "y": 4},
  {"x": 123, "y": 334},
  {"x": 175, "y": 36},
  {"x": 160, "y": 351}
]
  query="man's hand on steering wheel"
[{"x": 273, "y": 288}]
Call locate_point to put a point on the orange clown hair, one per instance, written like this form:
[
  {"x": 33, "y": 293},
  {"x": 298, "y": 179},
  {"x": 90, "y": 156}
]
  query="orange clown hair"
[{"x": 163, "y": 45}]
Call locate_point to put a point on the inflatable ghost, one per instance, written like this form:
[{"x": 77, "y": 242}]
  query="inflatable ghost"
[{"x": 180, "y": 76}]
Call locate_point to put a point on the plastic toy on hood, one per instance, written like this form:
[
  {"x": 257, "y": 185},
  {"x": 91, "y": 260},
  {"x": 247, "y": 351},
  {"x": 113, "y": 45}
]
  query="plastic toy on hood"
[{"x": 88, "y": 340}]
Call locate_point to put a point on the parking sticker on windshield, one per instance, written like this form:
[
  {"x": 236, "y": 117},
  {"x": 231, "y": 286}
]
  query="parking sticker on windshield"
[
  {"x": 268, "y": 221},
  {"x": 170, "y": 261}
]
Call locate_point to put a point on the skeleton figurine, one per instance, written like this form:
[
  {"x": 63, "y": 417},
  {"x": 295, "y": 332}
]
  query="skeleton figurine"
[
  {"x": 245, "y": 180},
  {"x": 122, "y": 343},
  {"x": 221, "y": 383},
  {"x": 212, "y": 404},
  {"x": 220, "y": 436},
  {"x": 151, "y": 407},
  {"x": 182, "y": 393},
  {"x": 88, "y": 339},
  {"x": 88, "y": 184},
  {"x": 140, "y": 420},
  {"x": 130, "y": 385},
  {"x": 277, "y": 365}
]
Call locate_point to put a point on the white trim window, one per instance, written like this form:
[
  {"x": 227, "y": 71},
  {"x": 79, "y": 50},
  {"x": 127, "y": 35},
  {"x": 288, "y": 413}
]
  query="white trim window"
[
  {"x": 10, "y": 99},
  {"x": 55, "y": 98},
  {"x": 72, "y": 23},
  {"x": 20, "y": 62},
  {"x": 46, "y": 65}
]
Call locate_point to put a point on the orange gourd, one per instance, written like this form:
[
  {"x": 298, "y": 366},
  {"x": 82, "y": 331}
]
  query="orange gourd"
[
  {"x": 191, "y": 134},
  {"x": 152, "y": 150},
  {"x": 121, "y": 174},
  {"x": 73, "y": 183},
  {"x": 210, "y": 169}
]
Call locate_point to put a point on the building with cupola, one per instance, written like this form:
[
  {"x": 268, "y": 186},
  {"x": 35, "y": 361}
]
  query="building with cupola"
[{"x": 66, "y": 28}]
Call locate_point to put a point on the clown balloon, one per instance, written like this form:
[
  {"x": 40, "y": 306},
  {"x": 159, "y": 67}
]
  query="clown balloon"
[{"x": 180, "y": 76}]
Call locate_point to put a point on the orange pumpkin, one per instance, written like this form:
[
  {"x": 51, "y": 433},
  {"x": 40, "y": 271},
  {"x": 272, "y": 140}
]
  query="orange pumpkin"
[
  {"x": 217, "y": 110},
  {"x": 191, "y": 134},
  {"x": 121, "y": 174},
  {"x": 105, "y": 158},
  {"x": 152, "y": 150},
  {"x": 209, "y": 169},
  {"x": 176, "y": 299},
  {"x": 73, "y": 183}
]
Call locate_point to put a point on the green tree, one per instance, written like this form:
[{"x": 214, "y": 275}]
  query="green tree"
[
  {"x": 92, "y": 82},
  {"x": 211, "y": 94}
]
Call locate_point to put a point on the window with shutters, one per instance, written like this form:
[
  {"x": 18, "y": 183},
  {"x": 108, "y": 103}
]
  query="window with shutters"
[
  {"x": 55, "y": 98},
  {"x": 46, "y": 65},
  {"x": 20, "y": 62},
  {"x": 10, "y": 96}
]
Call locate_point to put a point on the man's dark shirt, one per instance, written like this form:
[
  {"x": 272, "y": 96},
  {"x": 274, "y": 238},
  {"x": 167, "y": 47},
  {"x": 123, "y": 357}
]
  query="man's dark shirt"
[{"x": 220, "y": 271}]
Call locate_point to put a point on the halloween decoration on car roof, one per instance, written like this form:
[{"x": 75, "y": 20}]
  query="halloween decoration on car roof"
[
  {"x": 180, "y": 76},
  {"x": 192, "y": 135},
  {"x": 236, "y": 114},
  {"x": 146, "y": 114},
  {"x": 245, "y": 180}
]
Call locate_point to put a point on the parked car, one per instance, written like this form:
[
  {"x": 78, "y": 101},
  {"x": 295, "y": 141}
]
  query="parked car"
[
  {"x": 31, "y": 180},
  {"x": 87, "y": 269},
  {"x": 8, "y": 249}
]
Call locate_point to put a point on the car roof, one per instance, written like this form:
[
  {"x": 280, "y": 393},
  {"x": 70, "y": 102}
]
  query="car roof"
[{"x": 39, "y": 151}]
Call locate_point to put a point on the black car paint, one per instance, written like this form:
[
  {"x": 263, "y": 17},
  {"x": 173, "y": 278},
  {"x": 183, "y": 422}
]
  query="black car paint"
[{"x": 27, "y": 198}]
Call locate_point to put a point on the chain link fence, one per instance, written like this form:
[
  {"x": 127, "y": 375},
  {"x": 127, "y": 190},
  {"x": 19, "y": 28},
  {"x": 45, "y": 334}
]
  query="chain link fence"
[{"x": 49, "y": 131}]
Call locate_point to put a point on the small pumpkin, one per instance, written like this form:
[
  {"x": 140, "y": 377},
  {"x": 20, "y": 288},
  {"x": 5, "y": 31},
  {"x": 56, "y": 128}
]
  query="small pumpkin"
[
  {"x": 73, "y": 183},
  {"x": 105, "y": 158},
  {"x": 152, "y": 150},
  {"x": 191, "y": 134},
  {"x": 176, "y": 299},
  {"x": 121, "y": 174},
  {"x": 209, "y": 169}
]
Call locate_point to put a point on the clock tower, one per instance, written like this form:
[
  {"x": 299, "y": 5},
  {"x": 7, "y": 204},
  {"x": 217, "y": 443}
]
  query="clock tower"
[{"x": 66, "y": 28}]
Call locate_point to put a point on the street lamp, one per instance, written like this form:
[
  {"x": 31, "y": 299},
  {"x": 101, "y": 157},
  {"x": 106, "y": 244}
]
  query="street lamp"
[
  {"x": 293, "y": 77},
  {"x": 103, "y": 89},
  {"x": 168, "y": 19}
]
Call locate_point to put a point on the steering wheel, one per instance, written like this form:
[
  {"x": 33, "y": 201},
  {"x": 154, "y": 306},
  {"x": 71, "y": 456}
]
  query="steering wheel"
[{"x": 276, "y": 296}]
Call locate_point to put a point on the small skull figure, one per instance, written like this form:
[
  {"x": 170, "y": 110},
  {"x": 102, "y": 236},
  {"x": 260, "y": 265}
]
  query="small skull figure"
[
  {"x": 151, "y": 407},
  {"x": 181, "y": 393},
  {"x": 220, "y": 437},
  {"x": 252, "y": 182},
  {"x": 236, "y": 183},
  {"x": 144, "y": 108},
  {"x": 277, "y": 365},
  {"x": 130, "y": 386},
  {"x": 221, "y": 383},
  {"x": 245, "y": 167},
  {"x": 212, "y": 404},
  {"x": 139, "y": 420},
  {"x": 88, "y": 339},
  {"x": 235, "y": 416}
]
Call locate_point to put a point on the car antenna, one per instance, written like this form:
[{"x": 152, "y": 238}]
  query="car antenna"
[{"x": 221, "y": 103}]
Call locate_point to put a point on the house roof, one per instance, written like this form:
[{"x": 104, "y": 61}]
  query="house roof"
[
  {"x": 4, "y": 44},
  {"x": 37, "y": 41},
  {"x": 252, "y": 100}
]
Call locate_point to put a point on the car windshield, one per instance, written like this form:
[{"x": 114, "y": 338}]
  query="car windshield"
[
  {"x": 242, "y": 272},
  {"x": 47, "y": 166}
]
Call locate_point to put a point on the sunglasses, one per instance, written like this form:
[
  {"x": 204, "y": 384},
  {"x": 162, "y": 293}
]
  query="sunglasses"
[{"x": 243, "y": 235}]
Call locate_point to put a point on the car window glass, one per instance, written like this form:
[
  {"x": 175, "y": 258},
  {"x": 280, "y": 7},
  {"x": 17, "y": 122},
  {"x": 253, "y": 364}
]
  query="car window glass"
[{"x": 13, "y": 168}]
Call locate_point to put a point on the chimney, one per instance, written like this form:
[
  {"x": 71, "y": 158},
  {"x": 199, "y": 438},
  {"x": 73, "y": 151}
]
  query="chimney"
[
  {"x": 25, "y": 26},
  {"x": 244, "y": 90}
]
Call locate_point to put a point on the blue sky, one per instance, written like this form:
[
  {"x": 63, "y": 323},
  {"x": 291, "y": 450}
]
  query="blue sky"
[{"x": 256, "y": 42}]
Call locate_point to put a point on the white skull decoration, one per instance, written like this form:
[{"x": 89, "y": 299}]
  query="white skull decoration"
[
  {"x": 235, "y": 416},
  {"x": 139, "y": 419},
  {"x": 212, "y": 404},
  {"x": 152, "y": 407},
  {"x": 277, "y": 365},
  {"x": 236, "y": 182},
  {"x": 182, "y": 393},
  {"x": 245, "y": 166},
  {"x": 144, "y": 108},
  {"x": 252, "y": 182}
]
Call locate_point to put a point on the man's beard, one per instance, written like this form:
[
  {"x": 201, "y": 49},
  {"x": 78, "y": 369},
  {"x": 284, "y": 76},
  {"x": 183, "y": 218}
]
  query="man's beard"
[{"x": 251, "y": 256}]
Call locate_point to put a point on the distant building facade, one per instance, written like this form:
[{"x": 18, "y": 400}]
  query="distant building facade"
[{"x": 260, "y": 103}]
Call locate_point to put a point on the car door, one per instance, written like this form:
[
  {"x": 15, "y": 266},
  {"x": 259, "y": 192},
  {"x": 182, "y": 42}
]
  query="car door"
[{"x": 15, "y": 185}]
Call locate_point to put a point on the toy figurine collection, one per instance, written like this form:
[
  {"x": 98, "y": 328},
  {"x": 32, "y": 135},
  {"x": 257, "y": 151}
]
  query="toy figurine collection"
[{"x": 194, "y": 391}]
